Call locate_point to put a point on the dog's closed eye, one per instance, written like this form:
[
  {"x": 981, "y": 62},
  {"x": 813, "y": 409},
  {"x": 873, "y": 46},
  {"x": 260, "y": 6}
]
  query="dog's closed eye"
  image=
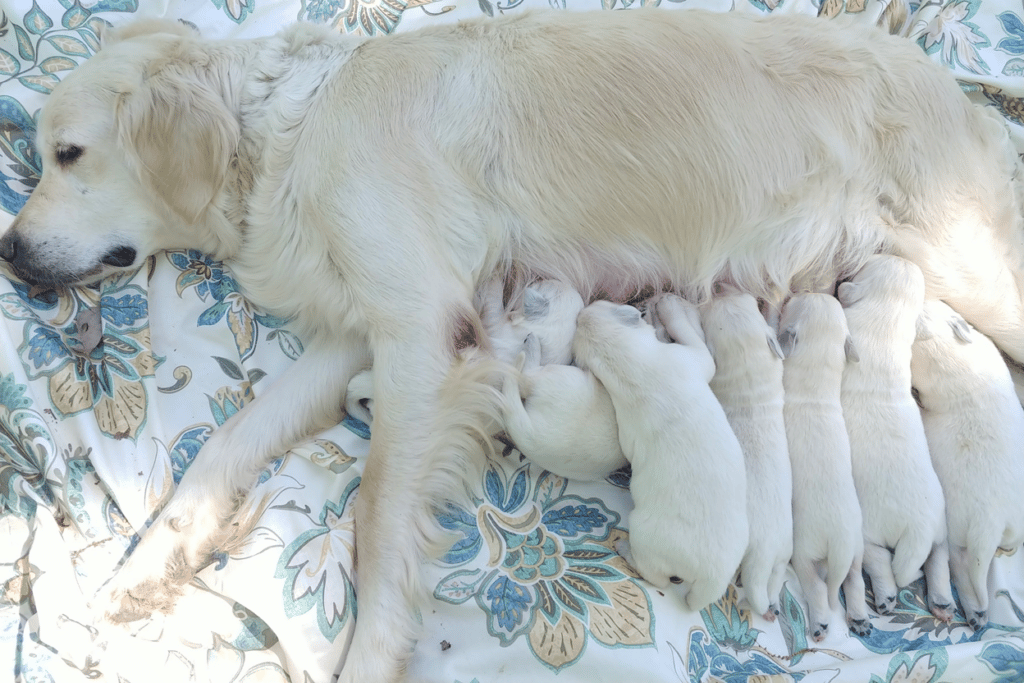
[{"x": 68, "y": 154}]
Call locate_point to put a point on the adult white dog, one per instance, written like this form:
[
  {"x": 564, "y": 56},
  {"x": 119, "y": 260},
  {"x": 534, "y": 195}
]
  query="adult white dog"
[
  {"x": 748, "y": 384},
  {"x": 828, "y": 536},
  {"x": 365, "y": 187},
  {"x": 900, "y": 495},
  {"x": 689, "y": 520},
  {"x": 965, "y": 389}
]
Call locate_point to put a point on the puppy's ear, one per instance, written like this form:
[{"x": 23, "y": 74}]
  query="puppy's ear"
[
  {"x": 774, "y": 345},
  {"x": 851, "y": 350},
  {"x": 849, "y": 293},
  {"x": 535, "y": 304},
  {"x": 628, "y": 315},
  {"x": 182, "y": 136},
  {"x": 787, "y": 341},
  {"x": 924, "y": 328},
  {"x": 961, "y": 330}
]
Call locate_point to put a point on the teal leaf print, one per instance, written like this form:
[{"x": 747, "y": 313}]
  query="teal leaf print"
[
  {"x": 9, "y": 65},
  {"x": 36, "y": 20},
  {"x": 1014, "y": 68},
  {"x": 1013, "y": 25},
  {"x": 924, "y": 666},
  {"x": 25, "y": 47},
  {"x": 75, "y": 17},
  {"x": 69, "y": 45},
  {"x": 44, "y": 83},
  {"x": 55, "y": 64},
  {"x": 289, "y": 342},
  {"x": 228, "y": 368},
  {"x": 1005, "y": 660}
]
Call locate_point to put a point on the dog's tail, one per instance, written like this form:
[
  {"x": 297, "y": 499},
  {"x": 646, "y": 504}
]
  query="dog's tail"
[
  {"x": 842, "y": 555},
  {"x": 910, "y": 554}
]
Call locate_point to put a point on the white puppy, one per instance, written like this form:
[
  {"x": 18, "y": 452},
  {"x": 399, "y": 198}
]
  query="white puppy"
[
  {"x": 549, "y": 309},
  {"x": 975, "y": 428},
  {"x": 748, "y": 383},
  {"x": 827, "y": 527},
  {"x": 561, "y": 418},
  {"x": 900, "y": 495},
  {"x": 689, "y": 521}
]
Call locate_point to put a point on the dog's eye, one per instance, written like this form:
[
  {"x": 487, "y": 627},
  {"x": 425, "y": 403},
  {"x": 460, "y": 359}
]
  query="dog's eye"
[
  {"x": 675, "y": 579},
  {"x": 68, "y": 155}
]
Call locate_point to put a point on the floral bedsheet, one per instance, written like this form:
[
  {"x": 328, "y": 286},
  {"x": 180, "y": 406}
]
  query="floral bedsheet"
[{"x": 108, "y": 393}]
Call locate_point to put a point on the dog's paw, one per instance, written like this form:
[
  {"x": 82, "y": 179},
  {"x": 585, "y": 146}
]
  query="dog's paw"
[
  {"x": 819, "y": 632},
  {"x": 943, "y": 612},
  {"x": 860, "y": 627},
  {"x": 771, "y": 614},
  {"x": 887, "y": 605},
  {"x": 978, "y": 620}
]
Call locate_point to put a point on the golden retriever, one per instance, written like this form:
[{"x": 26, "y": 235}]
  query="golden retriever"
[{"x": 364, "y": 187}]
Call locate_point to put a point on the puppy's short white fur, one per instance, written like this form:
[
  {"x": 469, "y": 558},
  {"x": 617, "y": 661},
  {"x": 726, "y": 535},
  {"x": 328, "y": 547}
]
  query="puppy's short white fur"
[
  {"x": 900, "y": 496},
  {"x": 365, "y": 188},
  {"x": 689, "y": 521},
  {"x": 827, "y": 523},
  {"x": 965, "y": 390},
  {"x": 561, "y": 418},
  {"x": 748, "y": 384}
]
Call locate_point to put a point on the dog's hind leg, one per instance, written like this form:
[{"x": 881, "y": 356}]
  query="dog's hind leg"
[
  {"x": 960, "y": 562},
  {"x": 306, "y": 399},
  {"x": 856, "y": 603}
]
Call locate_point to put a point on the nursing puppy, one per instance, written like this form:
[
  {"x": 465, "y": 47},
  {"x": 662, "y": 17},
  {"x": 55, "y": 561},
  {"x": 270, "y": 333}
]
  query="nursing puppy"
[
  {"x": 748, "y": 384},
  {"x": 975, "y": 428},
  {"x": 689, "y": 521},
  {"x": 365, "y": 187},
  {"x": 900, "y": 496},
  {"x": 561, "y": 418},
  {"x": 827, "y": 523},
  {"x": 548, "y": 311}
]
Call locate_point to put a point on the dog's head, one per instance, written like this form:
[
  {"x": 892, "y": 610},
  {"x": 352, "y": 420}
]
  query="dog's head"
[
  {"x": 884, "y": 278},
  {"x": 604, "y": 330},
  {"x": 733, "y": 326},
  {"x": 813, "y": 325},
  {"x": 135, "y": 145},
  {"x": 550, "y": 308}
]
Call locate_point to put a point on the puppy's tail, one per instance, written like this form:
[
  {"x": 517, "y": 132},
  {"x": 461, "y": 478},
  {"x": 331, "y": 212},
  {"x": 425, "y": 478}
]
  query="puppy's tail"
[
  {"x": 909, "y": 555},
  {"x": 841, "y": 557}
]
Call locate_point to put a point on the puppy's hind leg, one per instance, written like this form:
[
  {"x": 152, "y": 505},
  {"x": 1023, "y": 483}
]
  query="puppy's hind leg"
[
  {"x": 960, "y": 562},
  {"x": 756, "y": 571},
  {"x": 816, "y": 593},
  {"x": 878, "y": 565},
  {"x": 856, "y": 603},
  {"x": 936, "y": 574},
  {"x": 306, "y": 399}
]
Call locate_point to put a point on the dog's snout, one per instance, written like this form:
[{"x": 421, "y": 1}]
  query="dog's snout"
[
  {"x": 10, "y": 245},
  {"x": 119, "y": 257}
]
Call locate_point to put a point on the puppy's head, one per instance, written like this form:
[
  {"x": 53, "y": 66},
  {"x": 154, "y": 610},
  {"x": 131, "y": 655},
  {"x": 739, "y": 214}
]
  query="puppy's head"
[
  {"x": 135, "y": 145},
  {"x": 734, "y": 327},
  {"x": 550, "y": 308},
  {"x": 604, "y": 330},
  {"x": 884, "y": 278},
  {"x": 813, "y": 326}
]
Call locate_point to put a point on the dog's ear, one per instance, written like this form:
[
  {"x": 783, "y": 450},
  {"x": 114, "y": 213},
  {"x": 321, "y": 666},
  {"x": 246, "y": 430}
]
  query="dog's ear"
[
  {"x": 961, "y": 330},
  {"x": 774, "y": 345},
  {"x": 851, "y": 350},
  {"x": 535, "y": 304},
  {"x": 182, "y": 136},
  {"x": 849, "y": 293},
  {"x": 787, "y": 341},
  {"x": 628, "y": 315}
]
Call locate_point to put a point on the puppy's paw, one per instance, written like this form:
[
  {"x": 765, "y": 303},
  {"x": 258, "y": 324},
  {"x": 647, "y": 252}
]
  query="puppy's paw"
[
  {"x": 819, "y": 632},
  {"x": 978, "y": 620},
  {"x": 771, "y": 614},
  {"x": 860, "y": 627},
  {"x": 887, "y": 605},
  {"x": 943, "y": 612}
]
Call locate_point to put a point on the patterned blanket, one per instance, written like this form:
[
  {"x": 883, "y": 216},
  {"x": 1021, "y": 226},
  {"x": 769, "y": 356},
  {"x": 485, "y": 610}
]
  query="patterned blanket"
[{"x": 108, "y": 393}]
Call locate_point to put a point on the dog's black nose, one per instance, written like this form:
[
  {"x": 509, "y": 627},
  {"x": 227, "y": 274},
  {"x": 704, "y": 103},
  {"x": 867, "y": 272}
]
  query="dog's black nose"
[
  {"x": 119, "y": 257},
  {"x": 9, "y": 246}
]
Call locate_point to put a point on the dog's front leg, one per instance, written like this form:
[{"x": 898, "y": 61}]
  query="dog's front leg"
[
  {"x": 423, "y": 444},
  {"x": 305, "y": 400}
]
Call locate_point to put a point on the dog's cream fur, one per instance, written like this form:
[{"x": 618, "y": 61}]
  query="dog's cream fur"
[
  {"x": 365, "y": 187},
  {"x": 975, "y": 428},
  {"x": 561, "y": 418},
  {"x": 900, "y": 495},
  {"x": 827, "y": 522},
  {"x": 748, "y": 384},
  {"x": 689, "y": 520}
]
